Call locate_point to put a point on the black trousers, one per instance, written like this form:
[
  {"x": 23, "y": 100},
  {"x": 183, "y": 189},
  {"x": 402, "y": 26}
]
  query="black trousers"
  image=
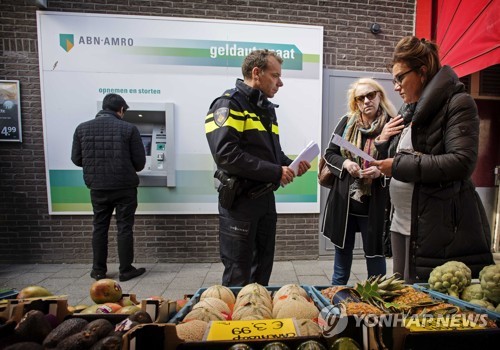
[
  {"x": 247, "y": 237},
  {"x": 103, "y": 203}
]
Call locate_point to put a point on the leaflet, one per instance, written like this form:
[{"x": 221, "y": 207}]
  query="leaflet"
[
  {"x": 340, "y": 141},
  {"x": 308, "y": 154}
]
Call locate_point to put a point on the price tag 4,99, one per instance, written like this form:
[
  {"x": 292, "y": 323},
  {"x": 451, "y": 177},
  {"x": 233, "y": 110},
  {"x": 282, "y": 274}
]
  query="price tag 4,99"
[{"x": 254, "y": 329}]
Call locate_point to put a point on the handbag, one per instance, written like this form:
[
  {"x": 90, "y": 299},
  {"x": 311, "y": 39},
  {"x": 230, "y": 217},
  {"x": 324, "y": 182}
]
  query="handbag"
[{"x": 325, "y": 176}]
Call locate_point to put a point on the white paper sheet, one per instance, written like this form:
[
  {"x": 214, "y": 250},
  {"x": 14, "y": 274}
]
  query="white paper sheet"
[
  {"x": 340, "y": 141},
  {"x": 308, "y": 154}
]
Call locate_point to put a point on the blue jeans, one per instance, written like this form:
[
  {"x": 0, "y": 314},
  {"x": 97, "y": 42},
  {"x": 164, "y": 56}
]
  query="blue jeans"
[{"x": 343, "y": 257}]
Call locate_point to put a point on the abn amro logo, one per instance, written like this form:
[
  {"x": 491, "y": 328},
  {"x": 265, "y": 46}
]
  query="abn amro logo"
[{"x": 66, "y": 41}]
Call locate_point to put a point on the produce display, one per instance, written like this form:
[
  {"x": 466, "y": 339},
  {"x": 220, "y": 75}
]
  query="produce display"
[
  {"x": 382, "y": 295},
  {"x": 36, "y": 330},
  {"x": 453, "y": 278},
  {"x": 252, "y": 302},
  {"x": 103, "y": 324}
]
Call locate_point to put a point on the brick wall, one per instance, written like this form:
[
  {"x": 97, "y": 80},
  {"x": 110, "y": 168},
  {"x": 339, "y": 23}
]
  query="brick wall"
[{"x": 29, "y": 234}]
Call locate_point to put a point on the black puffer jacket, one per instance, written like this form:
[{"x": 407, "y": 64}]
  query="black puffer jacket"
[
  {"x": 110, "y": 151},
  {"x": 448, "y": 218}
]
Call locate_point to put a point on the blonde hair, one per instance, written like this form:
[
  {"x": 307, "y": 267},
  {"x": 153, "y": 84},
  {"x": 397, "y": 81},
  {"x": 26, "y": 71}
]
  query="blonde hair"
[{"x": 385, "y": 103}]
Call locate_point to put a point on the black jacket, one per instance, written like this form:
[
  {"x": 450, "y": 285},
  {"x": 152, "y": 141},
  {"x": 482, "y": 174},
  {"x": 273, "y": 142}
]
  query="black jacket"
[
  {"x": 242, "y": 132},
  {"x": 448, "y": 218},
  {"x": 110, "y": 151},
  {"x": 337, "y": 205}
]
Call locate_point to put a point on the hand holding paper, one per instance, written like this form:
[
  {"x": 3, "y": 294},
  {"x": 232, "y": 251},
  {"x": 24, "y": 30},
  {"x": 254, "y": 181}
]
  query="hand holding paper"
[
  {"x": 340, "y": 141},
  {"x": 308, "y": 154}
]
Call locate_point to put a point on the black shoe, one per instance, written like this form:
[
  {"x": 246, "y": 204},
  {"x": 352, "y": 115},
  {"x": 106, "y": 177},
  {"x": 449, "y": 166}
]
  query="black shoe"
[
  {"x": 131, "y": 274},
  {"x": 97, "y": 275}
]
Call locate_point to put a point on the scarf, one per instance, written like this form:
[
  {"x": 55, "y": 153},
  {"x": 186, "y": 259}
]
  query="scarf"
[{"x": 354, "y": 132}]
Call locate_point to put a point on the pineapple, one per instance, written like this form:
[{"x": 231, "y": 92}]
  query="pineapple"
[
  {"x": 379, "y": 290},
  {"x": 361, "y": 309},
  {"x": 411, "y": 296}
]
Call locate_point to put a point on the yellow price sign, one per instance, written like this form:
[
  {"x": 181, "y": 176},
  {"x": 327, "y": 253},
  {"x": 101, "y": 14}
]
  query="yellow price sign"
[{"x": 254, "y": 329}]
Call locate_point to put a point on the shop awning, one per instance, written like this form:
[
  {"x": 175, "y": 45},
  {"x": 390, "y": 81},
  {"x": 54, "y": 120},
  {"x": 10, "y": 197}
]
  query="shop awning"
[{"x": 468, "y": 34}]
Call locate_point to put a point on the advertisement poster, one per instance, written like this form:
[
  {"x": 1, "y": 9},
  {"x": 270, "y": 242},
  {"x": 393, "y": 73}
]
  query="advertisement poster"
[
  {"x": 10, "y": 111},
  {"x": 169, "y": 70}
]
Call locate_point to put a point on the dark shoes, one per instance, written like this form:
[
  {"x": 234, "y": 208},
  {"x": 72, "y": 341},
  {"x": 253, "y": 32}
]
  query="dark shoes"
[
  {"x": 131, "y": 274},
  {"x": 97, "y": 275}
]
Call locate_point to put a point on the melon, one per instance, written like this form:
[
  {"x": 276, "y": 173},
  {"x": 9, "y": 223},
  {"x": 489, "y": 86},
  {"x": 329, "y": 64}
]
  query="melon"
[
  {"x": 255, "y": 288},
  {"x": 220, "y": 292},
  {"x": 254, "y": 298},
  {"x": 192, "y": 330},
  {"x": 244, "y": 311},
  {"x": 206, "y": 314},
  {"x": 276, "y": 345},
  {"x": 284, "y": 299},
  {"x": 215, "y": 303},
  {"x": 308, "y": 327},
  {"x": 298, "y": 309},
  {"x": 311, "y": 345},
  {"x": 288, "y": 289}
]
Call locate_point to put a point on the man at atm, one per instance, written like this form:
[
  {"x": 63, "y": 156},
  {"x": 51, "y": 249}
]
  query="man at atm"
[
  {"x": 242, "y": 132},
  {"x": 111, "y": 152}
]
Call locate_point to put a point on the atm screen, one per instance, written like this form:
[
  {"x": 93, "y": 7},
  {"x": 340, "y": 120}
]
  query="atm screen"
[{"x": 146, "y": 141}]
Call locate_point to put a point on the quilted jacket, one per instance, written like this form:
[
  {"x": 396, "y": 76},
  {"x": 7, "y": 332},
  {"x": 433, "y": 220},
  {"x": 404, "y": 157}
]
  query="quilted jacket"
[{"x": 110, "y": 150}]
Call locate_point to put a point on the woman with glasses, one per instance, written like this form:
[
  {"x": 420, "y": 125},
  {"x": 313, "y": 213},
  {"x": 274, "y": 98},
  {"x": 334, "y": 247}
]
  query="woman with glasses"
[
  {"x": 356, "y": 202},
  {"x": 437, "y": 214}
]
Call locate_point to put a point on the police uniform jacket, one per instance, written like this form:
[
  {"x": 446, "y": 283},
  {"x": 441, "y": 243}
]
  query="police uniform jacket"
[
  {"x": 242, "y": 132},
  {"x": 110, "y": 150}
]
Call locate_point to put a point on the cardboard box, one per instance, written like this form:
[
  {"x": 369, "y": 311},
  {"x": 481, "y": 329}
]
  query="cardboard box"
[
  {"x": 53, "y": 305},
  {"x": 160, "y": 310}
]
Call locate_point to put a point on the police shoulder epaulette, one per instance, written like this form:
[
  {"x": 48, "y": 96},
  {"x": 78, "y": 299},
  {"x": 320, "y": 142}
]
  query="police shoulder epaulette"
[{"x": 229, "y": 95}]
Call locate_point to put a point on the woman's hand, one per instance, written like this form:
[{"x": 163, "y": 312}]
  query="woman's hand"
[
  {"x": 351, "y": 167},
  {"x": 391, "y": 128},
  {"x": 371, "y": 172},
  {"x": 384, "y": 165}
]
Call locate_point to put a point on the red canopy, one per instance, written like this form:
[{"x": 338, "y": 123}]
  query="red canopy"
[{"x": 468, "y": 34}]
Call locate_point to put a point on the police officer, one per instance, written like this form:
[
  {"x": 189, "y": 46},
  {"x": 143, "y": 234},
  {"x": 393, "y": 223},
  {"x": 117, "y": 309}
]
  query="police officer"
[{"x": 242, "y": 132}]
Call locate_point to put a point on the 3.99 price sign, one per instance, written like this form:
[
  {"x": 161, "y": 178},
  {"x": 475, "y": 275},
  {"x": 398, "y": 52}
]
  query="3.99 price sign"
[
  {"x": 256, "y": 329},
  {"x": 10, "y": 116}
]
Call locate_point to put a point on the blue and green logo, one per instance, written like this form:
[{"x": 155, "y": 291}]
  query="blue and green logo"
[{"x": 66, "y": 41}]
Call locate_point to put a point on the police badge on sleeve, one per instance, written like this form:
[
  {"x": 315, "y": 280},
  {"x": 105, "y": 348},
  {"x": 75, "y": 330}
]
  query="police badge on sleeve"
[{"x": 221, "y": 115}]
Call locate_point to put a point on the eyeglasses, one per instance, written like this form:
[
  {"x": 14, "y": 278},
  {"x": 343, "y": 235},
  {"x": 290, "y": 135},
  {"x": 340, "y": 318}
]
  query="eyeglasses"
[
  {"x": 398, "y": 79},
  {"x": 370, "y": 95}
]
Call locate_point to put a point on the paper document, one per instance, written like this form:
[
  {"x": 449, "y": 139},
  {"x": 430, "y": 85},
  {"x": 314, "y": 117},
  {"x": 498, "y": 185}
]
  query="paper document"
[
  {"x": 340, "y": 141},
  {"x": 308, "y": 153}
]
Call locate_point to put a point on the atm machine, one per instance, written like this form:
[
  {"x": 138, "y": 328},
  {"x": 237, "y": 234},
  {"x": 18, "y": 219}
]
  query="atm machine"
[{"x": 156, "y": 125}]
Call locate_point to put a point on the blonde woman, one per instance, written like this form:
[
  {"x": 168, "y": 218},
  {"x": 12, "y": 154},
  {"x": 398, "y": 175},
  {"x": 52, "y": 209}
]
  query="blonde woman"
[{"x": 358, "y": 197}]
